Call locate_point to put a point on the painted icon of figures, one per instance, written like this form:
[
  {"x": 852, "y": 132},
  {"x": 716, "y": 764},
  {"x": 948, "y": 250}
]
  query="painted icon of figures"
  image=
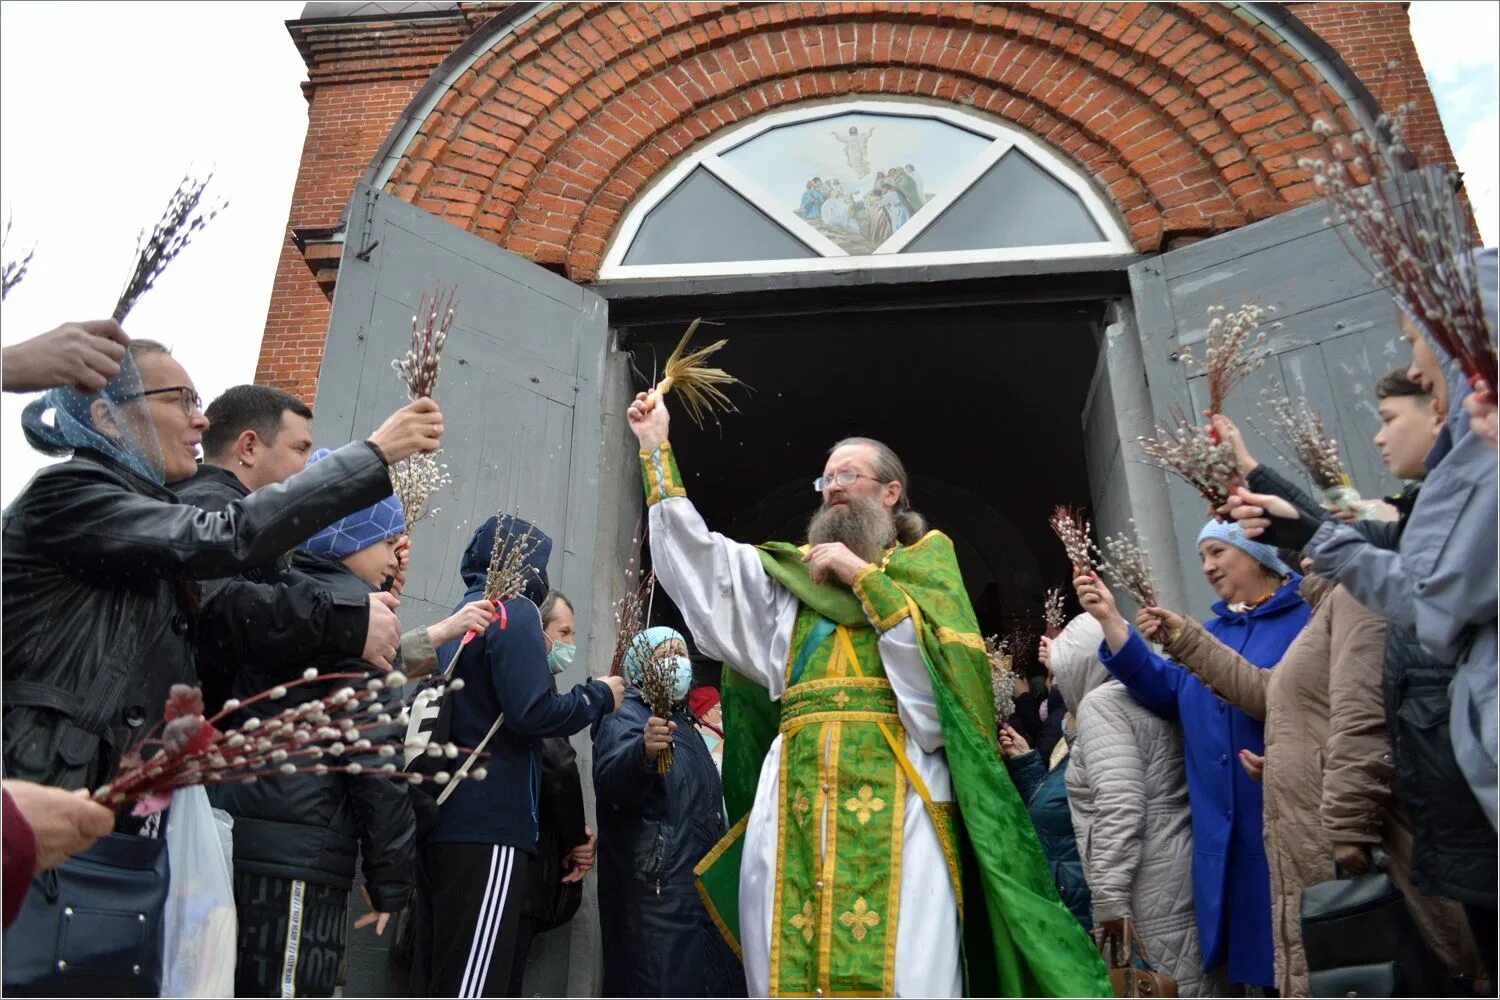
[{"x": 857, "y": 149}]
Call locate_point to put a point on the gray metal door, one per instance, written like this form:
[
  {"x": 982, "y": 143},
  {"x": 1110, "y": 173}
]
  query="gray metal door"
[
  {"x": 1339, "y": 334},
  {"x": 522, "y": 385},
  {"x": 519, "y": 388}
]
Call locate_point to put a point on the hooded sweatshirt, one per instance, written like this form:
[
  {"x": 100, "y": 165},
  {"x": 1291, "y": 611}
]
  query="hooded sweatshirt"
[
  {"x": 505, "y": 671},
  {"x": 1441, "y": 581}
]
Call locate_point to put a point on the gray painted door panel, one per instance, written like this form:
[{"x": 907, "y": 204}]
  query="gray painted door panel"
[
  {"x": 1339, "y": 333},
  {"x": 522, "y": 390},
  {"x": 518, "y": 387}
]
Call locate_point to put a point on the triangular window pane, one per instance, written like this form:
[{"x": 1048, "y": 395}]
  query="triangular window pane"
[
  {"x": 703, "y": 221},
  {"x": 857, "y": 178},
  {"x": 1015, "y": 204}
]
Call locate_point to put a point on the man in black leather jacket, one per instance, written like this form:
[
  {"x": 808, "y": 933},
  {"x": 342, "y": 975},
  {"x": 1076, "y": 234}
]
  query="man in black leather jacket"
[{"x": 278, "y": 617}]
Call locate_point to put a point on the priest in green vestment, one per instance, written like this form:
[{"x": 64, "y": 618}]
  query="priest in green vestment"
[{"x": 877, "y": 846}]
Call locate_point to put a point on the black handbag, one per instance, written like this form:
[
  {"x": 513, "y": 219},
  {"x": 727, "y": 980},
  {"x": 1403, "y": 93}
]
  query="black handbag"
[
  {"x": 1361, "y": 940},
  {"x": 93, "y": 926}
]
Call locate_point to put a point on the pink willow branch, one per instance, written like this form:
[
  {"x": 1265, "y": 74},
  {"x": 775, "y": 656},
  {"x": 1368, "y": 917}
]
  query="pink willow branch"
[
  {"x": 429, "y": 332},
  {"x": 1417, "y": 232},
  {"x": 193, "y": 751},
  {"x": 1072, "y": 529}
]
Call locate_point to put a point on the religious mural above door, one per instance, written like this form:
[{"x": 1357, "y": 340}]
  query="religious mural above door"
[
  {"x": 858, "y": 178},
  {"x": 886, "y": 182}
]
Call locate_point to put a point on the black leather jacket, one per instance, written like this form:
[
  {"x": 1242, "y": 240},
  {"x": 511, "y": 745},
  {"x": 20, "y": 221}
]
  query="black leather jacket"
[
  {"x": 313, "y": 827},
  {"x": 271, "y": 614},
  {"x": 97, "y": 571}
]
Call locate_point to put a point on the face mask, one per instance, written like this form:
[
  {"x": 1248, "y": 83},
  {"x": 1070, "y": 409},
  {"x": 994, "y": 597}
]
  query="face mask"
[
  {"x": 560, "y": 657},
  {"x": 683, "y": 681}
]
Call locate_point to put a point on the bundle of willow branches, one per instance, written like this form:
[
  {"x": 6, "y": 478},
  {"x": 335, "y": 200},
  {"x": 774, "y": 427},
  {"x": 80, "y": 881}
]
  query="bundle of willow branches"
[
  {"x": 15, "y": 270},
  {"x": 1299, "y": 436},
  {"x": 630, "y": 618},
  {"x": 1072, "y": 529},
  {"x": 1123, "y": 559},
  {"x": 1053, "y": 611},
  {"x": 168, "y": 239},
  {"x": 1235, "y": 348},
  {"x": 1002, "y": 679},
  {"x": 658, "y": 678},
  {"x": 696, "y": 383},
  {"x": 342, "y": 732},
  {"x": 418, "y": 368},
  {"x": 414, "y": 480},
  {"x": 1194, "y": 455},
  {"x": 1415, "y": 228}
]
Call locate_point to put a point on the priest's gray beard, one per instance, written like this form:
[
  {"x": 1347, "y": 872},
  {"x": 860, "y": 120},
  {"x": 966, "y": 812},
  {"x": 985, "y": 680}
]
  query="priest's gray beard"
[{"x": 863, "y": 524}]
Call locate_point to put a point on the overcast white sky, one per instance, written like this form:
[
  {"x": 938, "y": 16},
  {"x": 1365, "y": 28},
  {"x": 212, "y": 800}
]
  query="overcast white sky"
[{"x": 104, "y": 105}]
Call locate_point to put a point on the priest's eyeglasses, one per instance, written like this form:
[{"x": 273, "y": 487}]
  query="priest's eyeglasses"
[
  {"x": 846, "y": 478},
  {"x": 186, "y": 397}
]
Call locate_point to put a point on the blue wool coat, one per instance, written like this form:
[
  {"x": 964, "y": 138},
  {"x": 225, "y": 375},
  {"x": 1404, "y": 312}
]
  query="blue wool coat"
[{"x": 1231, "y": 881}]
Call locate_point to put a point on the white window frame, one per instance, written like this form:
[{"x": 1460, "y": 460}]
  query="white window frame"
[{"x": 832, "y": 257}]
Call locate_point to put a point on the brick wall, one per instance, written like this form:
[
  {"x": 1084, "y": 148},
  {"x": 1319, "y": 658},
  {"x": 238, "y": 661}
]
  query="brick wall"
[
  {"x": 1190, "y": 116},
  {"x": 1375, "y": 40},
  {"x": 360, "y": 77}
]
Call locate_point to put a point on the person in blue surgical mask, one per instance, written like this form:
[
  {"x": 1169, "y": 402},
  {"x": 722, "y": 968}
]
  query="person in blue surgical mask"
[{"x": 657, "y": 935}]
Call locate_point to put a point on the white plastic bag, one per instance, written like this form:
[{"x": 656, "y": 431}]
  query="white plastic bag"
[{"x": 201, "y": 928}]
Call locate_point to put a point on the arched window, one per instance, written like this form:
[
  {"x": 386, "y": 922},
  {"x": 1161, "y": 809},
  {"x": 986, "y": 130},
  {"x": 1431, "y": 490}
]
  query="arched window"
[{"x": 862, "y": 184}]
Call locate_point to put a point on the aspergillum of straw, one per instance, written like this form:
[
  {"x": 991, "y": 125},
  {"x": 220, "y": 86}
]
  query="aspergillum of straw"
[{"x": 697, "y": 384}]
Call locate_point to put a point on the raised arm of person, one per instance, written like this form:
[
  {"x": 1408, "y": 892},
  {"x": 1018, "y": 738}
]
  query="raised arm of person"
[
  {"x": 1153, "y": 680},
  {"x": 1226, "y": 672},
  {"x": 517, "y": 658},
  {"x": 115, "y": 530},
  {"x": 733, "y": 609}
]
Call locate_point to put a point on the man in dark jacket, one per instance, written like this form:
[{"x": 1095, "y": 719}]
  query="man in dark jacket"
[
  {"x": 473, "y": 867},
  {"x": 257, "y": 437}
]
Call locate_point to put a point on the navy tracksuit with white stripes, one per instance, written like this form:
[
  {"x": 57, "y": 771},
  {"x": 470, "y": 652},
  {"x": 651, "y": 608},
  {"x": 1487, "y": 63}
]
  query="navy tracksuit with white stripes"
[{"x": 472, "y": 871}]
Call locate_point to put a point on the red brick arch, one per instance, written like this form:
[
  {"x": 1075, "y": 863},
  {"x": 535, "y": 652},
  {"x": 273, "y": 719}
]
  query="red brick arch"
[{"x": 1188, "y": 116}]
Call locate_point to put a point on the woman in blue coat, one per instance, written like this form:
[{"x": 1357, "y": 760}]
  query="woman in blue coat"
[
  {"x": 658, "y": 938},
  {"x": 1258, "y": 615}
]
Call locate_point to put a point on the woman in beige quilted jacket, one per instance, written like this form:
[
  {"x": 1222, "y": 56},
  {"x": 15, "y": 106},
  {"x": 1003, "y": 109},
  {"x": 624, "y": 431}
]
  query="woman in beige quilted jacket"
[
  {"x": 1128, "y": 793},
  {"x": 1327, "y": 768}
]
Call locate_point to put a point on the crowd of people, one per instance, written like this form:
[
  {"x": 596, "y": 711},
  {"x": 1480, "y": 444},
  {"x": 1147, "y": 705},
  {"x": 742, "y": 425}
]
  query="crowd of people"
[
  {"x": 1333, "y": 714},
  {"x": 845, "y": 813}
]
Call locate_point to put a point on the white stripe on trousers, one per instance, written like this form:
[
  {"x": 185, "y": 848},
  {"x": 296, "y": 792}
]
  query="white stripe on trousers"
[
  {"x": 487, "y": 927},
  {"x": 293, "y": 940}
]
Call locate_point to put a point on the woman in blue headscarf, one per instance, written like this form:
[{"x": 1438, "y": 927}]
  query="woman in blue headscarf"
[
  {"x": 100, "y": 558},
  {"x": 1258, "y": 615},
  {"x": 653, "y": 829}
]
